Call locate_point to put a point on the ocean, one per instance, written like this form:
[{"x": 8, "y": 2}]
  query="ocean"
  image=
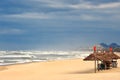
[{"x": 17, "y": 57}]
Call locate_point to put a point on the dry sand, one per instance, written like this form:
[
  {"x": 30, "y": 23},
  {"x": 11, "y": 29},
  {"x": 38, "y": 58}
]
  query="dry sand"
[{"x": 75, "y": 69}]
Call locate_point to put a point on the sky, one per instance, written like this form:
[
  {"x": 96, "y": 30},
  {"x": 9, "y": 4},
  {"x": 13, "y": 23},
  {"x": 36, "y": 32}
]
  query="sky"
[{"x": 58, "y": 24}]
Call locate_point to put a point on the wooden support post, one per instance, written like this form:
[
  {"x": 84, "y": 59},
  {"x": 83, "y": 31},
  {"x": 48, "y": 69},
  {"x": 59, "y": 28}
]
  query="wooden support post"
[
  {"x": 94, "y": 48},
  {"x": 95, "y": 66}
]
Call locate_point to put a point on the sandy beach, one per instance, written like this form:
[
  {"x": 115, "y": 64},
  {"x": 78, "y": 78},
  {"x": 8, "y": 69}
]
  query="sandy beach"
[{"x": 74, "y": 69}]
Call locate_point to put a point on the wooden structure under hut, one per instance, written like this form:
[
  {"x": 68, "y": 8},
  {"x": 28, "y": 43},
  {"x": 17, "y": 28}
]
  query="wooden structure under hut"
[{"x": 103, "y": 60}]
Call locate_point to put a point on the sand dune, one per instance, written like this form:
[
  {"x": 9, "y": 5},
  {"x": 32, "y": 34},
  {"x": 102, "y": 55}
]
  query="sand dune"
[{"x": 75, "y": 69}]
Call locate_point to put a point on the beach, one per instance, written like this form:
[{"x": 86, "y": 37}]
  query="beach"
[{"x": 71, "y": 69}]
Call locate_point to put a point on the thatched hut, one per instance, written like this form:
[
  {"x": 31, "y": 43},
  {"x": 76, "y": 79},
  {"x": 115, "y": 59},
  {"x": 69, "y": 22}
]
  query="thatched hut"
[{"x": 107, "y": 60}]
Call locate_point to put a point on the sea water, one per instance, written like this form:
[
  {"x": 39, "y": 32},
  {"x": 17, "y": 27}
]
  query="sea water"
[{"x": 15, "y": 57}]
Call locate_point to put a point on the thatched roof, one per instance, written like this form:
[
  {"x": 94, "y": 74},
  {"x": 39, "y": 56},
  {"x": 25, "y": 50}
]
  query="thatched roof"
[
  {"x": 113, "y": 56},
  {"x": 102, "y": 56}
]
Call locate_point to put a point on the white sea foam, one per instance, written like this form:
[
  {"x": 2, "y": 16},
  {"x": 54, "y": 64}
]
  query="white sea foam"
[{"x": 13, "y": 57}]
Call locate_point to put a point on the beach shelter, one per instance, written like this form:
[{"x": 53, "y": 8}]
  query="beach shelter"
[{"x": 107, "y": 59}]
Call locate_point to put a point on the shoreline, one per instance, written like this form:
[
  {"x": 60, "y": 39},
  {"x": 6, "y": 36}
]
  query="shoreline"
[
  {"x": 41, "y": 61},
  {"x": 70, "y": 69}
]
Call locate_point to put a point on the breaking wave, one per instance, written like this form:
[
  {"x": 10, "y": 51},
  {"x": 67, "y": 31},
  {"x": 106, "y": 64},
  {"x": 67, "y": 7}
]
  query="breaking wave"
[{"x": 15, "y": 57}]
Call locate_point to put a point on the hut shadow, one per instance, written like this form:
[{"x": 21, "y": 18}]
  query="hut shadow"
[{"x": 82, "y": 72}]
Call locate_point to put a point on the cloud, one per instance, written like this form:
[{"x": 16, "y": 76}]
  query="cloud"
[
  {"x": 28, "y": 16},
  {"x": 11, "y": 31},
  {"x": 88, "y": 5},
  {"x": 53, "y": 3},
  {"x": 109, "y": 5},
  {"x": 68, "y": 15},
  {"x": 66, "y": 10},
  {"x": 90, "y": 17},
  {"x": 79, "y": 4}
]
